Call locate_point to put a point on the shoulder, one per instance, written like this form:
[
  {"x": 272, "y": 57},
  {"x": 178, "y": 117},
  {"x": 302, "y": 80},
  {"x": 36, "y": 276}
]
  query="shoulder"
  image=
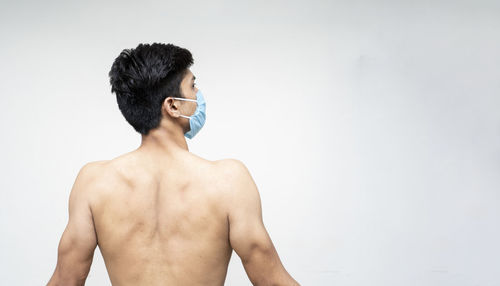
[
  {"x": 239, "y": 187},
  {"x": 90, "y": 181},
  {"x": 233, "y": 171},
  {"x": 231, "y": 166},
  {"x": 90, "y": 174},
  {"x": 93, "y": 169},
  {"x": 96, "y": 164},
  {"x": 234, "y": 174}
]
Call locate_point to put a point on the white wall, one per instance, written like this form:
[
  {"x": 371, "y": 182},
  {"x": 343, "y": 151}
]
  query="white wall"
[{"x": 370, "y": 127}]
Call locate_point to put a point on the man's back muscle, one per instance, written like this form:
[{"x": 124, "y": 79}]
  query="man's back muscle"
[{"x": 162, "y": 222}]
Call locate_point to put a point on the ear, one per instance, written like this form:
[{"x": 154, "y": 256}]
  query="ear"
[{"x": 171, "y": 107}]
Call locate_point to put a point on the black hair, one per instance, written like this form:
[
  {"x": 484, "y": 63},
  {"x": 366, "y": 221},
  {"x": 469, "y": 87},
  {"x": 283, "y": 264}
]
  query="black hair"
[{"x": 143, "y": 77}]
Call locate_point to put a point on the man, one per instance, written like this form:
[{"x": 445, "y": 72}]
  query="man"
[{"x": 160, "y": 214}]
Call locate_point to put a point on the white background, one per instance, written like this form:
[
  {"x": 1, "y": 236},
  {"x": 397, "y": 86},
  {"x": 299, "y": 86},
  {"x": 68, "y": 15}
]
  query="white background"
[{"x": 372, "y": 128}]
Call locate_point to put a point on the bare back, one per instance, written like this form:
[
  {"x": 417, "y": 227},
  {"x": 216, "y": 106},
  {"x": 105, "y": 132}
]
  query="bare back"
[{"x": 162, "y": 222}]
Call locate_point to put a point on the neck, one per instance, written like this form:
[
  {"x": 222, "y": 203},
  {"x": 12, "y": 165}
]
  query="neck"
[{"x": 164, "y": 140}]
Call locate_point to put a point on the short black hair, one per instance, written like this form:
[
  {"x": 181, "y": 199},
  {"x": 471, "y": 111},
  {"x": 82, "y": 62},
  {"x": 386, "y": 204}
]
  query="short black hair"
[{"x": 143, "y": 77}]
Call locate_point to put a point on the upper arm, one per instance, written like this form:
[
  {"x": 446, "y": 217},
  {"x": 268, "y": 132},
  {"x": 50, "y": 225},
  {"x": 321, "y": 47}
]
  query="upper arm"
[
  {"x": 79, "y": 240},
  {"x": 246, "y": 226},
  {"x": 247, "y": 233}
]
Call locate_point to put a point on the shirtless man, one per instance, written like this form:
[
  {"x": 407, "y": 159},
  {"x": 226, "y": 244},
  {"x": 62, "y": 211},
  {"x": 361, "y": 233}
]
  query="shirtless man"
[{"x": 160, "y": 214}]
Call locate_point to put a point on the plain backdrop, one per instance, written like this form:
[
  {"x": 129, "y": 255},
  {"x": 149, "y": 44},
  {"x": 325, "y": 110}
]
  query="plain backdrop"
[{"x": 371, "y": 128}]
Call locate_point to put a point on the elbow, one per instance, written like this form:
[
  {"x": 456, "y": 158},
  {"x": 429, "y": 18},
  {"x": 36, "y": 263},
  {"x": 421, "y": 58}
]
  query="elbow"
[
  {"x": 284, "y": 279},
  {"x": 269, "y": 274},
  {"x": 63, "y": 279},
  {"x": 288, "y": 282},
  {"x": 66, "y": 282}
]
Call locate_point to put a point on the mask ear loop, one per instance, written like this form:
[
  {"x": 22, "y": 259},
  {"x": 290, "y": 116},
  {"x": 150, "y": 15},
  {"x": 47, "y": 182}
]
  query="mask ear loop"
[{"x": 186, "y": 99}]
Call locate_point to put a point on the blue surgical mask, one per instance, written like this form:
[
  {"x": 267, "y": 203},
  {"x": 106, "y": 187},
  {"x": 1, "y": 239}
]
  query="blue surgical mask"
[{"x": 197, "y": 120}]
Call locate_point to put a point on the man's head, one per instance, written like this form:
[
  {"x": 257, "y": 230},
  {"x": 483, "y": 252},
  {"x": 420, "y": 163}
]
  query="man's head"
[{"x": 142, "y": 78}]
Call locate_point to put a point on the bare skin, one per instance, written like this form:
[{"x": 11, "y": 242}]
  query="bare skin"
[
  {"x": 163, "y": 221},
  {"x": 164, "y": 216}
]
